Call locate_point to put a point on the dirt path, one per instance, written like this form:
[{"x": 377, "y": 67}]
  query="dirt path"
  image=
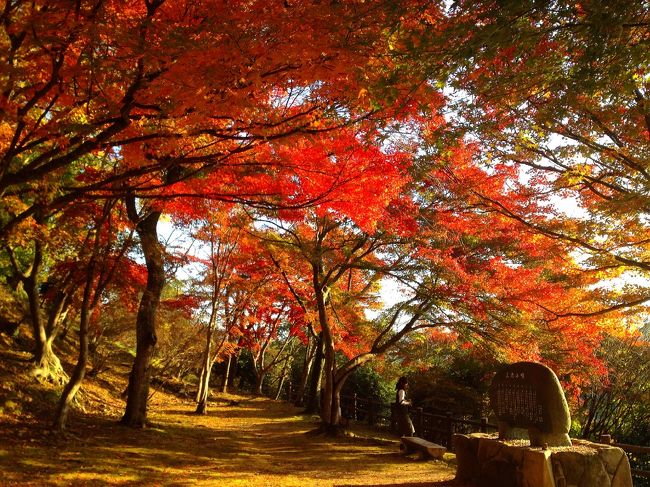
[{"x": 252, "y": 441}]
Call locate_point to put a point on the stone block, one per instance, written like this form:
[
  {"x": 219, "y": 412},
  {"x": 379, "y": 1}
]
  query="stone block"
[
  {"x": 582, "y": 468},
  {"x": 468, "y": 467},
  {"x": 489, "y": 462},
  {"x": 623, "y": 475}
]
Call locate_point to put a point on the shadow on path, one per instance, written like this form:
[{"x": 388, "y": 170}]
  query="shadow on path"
[{"x": 254, "y": 441}]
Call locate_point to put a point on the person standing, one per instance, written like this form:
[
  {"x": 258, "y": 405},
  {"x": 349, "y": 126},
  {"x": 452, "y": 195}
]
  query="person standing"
[{"x": 404, "y": 423}]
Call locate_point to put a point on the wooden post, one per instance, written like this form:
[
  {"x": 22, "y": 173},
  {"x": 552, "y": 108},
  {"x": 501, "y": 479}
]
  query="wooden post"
[
  {"x": 450, "y": 428},
  {"x": 483, "y": 425}
]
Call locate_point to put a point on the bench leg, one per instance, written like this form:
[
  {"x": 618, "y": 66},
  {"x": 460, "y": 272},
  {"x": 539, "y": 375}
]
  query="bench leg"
[{"x": 408, "y": 449}]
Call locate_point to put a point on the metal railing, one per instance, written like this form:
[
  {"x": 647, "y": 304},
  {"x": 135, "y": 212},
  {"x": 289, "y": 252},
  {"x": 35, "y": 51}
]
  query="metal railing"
[{"x": 438, "y": 428}]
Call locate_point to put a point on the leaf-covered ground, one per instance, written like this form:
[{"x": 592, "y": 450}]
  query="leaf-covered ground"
[{"x": 242, "y": 441}]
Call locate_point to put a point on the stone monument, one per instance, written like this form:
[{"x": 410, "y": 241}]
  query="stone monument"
[{"x": 529, "y": 395}]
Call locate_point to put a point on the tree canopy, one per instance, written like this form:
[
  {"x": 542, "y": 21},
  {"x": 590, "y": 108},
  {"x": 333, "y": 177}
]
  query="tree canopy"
[{"x": 490, "y": 157}]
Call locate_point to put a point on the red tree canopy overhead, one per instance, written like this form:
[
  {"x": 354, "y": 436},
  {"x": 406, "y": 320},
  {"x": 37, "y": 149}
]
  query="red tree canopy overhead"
[{"x": 166, "y": 90}]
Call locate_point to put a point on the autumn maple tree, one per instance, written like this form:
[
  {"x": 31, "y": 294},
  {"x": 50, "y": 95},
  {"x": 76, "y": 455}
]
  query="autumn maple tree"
[
  {"x": 267, "y": 334},
  {"x": 104, "y": 251},
  {"x": 559, "y": 92},
  {"x": 464, "y": 266},
  {"x": 534, "y": 298},
  {"x": 233, "y": 279},
  {"x": 49, "y": 264}
]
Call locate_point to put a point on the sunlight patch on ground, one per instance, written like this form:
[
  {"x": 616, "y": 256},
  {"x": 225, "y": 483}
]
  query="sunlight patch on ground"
[
  {"x": 254, "y": 441},
  {"x": 75, "y": 477}
]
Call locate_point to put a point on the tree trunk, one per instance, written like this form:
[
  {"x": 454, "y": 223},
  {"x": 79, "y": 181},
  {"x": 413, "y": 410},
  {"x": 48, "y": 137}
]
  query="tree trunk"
[
  {"x": 327, "y": 413},
  {"x": 226, "y": 375},
  {"x": 88, "y": 303},
  {"x": 31, "y": 288},
  {"x": 204, "y": 383},
  {"x": 259, "y": 381},
  {"x": 138, "y": 390},
  {"x": 283, "y": 376},
  {"x": 73, "y": 385},
  {"x": 278, "y": 391},
  {"x": 234, "y": 366},
  {"x": 47, "y": 365},
  {"x": 199, "y": 390},
  {"x": 260, "y": 371},
  {"x": 306, "y": 369},
  {"x": 313, "y": 399},
  {"x": 57, "y": 314},
  {"x": 336, "y": 401},
  {"x": 202, "y": 406}
]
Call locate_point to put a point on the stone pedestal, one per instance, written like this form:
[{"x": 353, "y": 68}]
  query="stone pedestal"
[{"x": 485, "y": 461}]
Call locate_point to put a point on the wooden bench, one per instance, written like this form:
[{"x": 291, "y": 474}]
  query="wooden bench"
[{"x": 428, "y": 449}]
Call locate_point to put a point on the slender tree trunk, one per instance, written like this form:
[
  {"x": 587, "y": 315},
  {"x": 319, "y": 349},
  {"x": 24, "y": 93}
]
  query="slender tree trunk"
[
  {"x": 329, "y": 364},
  {"x": 47, "y": 365},
  {"x": 205, "y": 365},
  {"x": 224, "y": 384},
  {"x": 278, "y": 391},
  {"x": 234, "y": 365},
  {"x": 199, "y": 390},
  {"x": 335, "y": 420},
  {"x": 73, "y": 385},
  {"x": 259, "y": 381},
  {"x": 31, "y": 288},
  {"x": 57, "y": 314},
  {"x": 306, "y": 369},
  {"x": 202, "y": 406},
  {"x": 313, "y": 399},
  {"x": 88, "y": 302},
  {"x": 260, "y": 371},
  {"x": 326, "y": 412},
  {"x": 206, "y": 369},
  {"x": 283, "y": 376},
  {"x": 135, "y": 413}
]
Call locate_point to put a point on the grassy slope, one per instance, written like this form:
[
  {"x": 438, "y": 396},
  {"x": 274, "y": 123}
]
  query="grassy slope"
[{"x": 242, "y": 441}]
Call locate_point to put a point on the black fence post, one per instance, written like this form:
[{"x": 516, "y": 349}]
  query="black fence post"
[
  {"x": 354, "y": 406},
  {"x": 393, "y": 417},
  {"x": 484, "y": 425},
  {"x": 450, "y": 428},
  {"x": 371, "y": 412},
  {"x": 420, "y": 422},
  {"x": 607, "y": 439}
]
